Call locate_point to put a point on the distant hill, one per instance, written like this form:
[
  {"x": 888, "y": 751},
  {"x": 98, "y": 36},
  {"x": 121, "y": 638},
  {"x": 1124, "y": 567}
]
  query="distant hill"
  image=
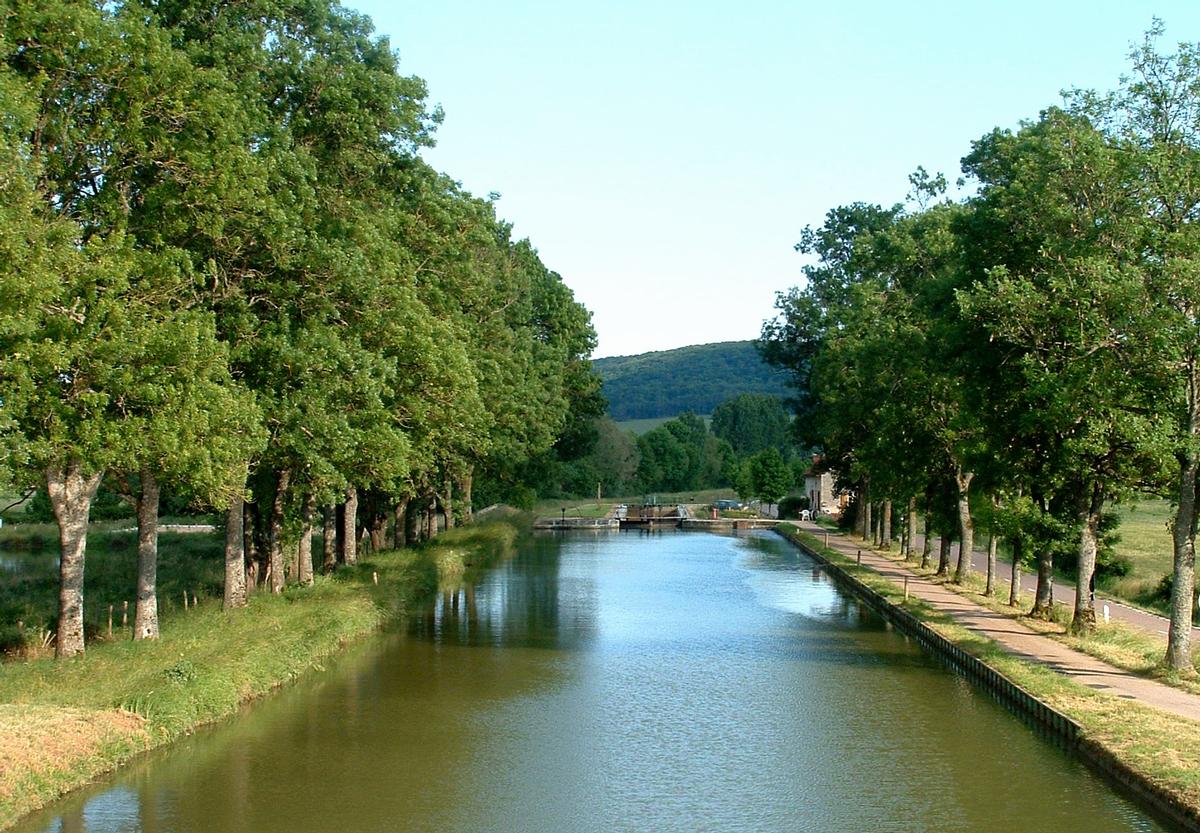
[{"x": 696, "y": 379}]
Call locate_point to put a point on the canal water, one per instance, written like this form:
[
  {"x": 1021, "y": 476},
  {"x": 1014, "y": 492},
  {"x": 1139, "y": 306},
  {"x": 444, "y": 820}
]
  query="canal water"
[{"x": 620, "y": 682}]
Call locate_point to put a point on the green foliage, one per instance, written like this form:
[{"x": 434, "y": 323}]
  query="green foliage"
[
  {"x": 751, "y": 422},
  {"x": 770, "y": 477},
  {"x": 689, "y": 379}
]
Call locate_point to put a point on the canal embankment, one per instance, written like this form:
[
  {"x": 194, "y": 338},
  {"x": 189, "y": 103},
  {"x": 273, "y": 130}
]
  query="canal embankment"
[
  {"x": 1144, "y": 737},
  {"x": 64, "y": 723}
]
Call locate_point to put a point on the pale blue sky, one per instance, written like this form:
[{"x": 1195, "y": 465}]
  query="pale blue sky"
[{"x": 664, "y": 156}]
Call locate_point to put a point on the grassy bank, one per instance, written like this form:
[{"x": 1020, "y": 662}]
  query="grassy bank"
[
  {"x": 1163, "y": 749},
  {"x": 64, "y": 723}
]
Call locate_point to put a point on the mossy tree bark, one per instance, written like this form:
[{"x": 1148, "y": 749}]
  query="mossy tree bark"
[
  {"x": 348, "y": 539},
  {"x": 1183, "y": 534},
  {"x": 1084, "y": 620},
  {"x": 911, "y": 536},
  {"x": 1014, "y": 587},
  {"x": 235, "y": 555},
  {"x": 329, "y": 545},
  {"x": 966, "y": 526},
  {"x": 400, "y": 523},
  {"x": 304, "y": 559},
  {"x": 145, "y": 616},
  {"x": 944, "y": 544},
  {"x": 276, "y": 577},
  {"x": 926, "y": 546},
  {"x": 1043, "y": 600},
  {"x": 71, "y": 491},
  {"x": 885, "y": 532}
]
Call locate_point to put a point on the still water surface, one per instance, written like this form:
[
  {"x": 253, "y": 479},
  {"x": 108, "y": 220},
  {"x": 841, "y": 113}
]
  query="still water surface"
[{"x": 626, "y": 682}]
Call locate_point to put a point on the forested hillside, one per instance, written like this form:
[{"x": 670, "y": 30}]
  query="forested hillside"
[{"x": 696, "y": 379}]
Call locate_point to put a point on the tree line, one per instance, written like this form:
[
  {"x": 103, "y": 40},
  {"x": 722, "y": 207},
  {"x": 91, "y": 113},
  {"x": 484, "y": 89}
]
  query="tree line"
[
  {"x": 747, "y": 445},
  {"x": 1025, "y": 356},
  {"x": 227, "y": 273}
]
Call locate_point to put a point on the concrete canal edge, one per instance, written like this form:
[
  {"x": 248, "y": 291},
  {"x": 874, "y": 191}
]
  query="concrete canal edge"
[{"x": 1058, "y": 726}]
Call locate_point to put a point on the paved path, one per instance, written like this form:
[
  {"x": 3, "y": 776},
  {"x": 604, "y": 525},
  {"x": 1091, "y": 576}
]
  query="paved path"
[
  {"x": 1063, "y": 592},
  {"x": 1018, "y": 639}
]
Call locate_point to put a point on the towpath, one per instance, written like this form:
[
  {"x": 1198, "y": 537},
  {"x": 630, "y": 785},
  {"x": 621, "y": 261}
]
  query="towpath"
[{"x": 1064, "y": 592}]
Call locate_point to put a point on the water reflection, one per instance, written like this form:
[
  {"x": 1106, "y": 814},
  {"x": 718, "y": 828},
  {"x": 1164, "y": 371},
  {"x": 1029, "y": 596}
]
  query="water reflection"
[{"x": 620, "y": 682}]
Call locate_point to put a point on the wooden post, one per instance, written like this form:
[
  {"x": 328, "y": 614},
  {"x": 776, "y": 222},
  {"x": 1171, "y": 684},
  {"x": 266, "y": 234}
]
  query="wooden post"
[
  {"x": 110, "y": 617},
  {"x": 124, "y": 614},
  {"x": 185, "y": 600},
  {"x": 827, "y": 538},
  {"x": 859, "y": 559},
  {"x": 374, "y": 577},
  {"x": 906, "y": 588}
]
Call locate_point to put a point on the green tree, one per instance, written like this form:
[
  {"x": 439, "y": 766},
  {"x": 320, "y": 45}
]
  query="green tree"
[
  {"x": 1064, "y": 301},
  {"x": 770, "y": 477},
  {"x": 750, "y": 422}
]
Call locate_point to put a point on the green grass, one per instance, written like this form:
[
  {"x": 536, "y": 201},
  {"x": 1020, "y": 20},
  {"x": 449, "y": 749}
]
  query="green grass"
[
  {"x": 208, "y": 662},
  {"x": 1162, "y": 748},
  {"x": 1146, "y": 543},
  {"x": 642, "y": 426}
]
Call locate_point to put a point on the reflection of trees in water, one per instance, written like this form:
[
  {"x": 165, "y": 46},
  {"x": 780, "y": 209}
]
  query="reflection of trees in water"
[{"x": 527, "y": 602}]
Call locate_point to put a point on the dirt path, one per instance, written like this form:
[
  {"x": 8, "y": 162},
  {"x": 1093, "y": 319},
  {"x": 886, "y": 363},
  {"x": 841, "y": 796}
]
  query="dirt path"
[{"x": 1018, "y": 639}]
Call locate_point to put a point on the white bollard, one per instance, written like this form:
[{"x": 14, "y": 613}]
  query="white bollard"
[{"x": 1106, "y": 614}]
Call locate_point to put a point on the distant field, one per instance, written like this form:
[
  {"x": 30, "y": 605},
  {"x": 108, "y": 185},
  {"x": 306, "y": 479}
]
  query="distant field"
[
  {"x": 1146, "y": 542},
  {"x": 583, "y": 508},
  {"x": 641, "y": 426}
]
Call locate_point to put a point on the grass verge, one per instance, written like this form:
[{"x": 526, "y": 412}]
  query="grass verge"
[
  {"x": 64, "y": 723},
  {"x": 1162, "y": 749}
]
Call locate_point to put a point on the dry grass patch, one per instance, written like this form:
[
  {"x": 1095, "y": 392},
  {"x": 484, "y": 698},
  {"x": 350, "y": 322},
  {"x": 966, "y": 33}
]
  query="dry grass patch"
[{"x": 47, "y": 748}]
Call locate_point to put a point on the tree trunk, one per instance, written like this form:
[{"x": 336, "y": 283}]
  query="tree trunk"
[
  {"x": 1084, "y": 620},
  {"x": 966, "y": 526},
  {"x": 275, "y": 574},
  {"x": 886, "y": 526},
  {"x": 447, "y": 504},
  {"x": 412, "y": 524},
  {"x": 868, "y": 521},
  {"x": 431, "y": 519},
  {"x": 1043, "y": 601},
  {"x": 349, "y": 534},
  {"x": 235, "y": 555},
  {"x": 943, "y": 555},
  {"x": 145, "y": 615},
  {"x": 71, "y": 493},
  {"x": 926, "y": 547},
  {"x": 465, "y": 486},
  {"x": 401, "y": 523},
  {"x": 911, "y": 535},
  {"x": 379, "y": 533},
  {"x": 250, "y": 547},
  {"x": 862, "y": 512},
  {"x": 1183, "y": 536},
  {"x": 1014, "y": 587},
  {"x": 304, "y": 560},
  {"x": 990, "y": 588},
  {"x": 329, "y": 542}
]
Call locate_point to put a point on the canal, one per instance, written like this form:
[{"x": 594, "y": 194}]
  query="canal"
[{"x": 620, "y": 682}]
